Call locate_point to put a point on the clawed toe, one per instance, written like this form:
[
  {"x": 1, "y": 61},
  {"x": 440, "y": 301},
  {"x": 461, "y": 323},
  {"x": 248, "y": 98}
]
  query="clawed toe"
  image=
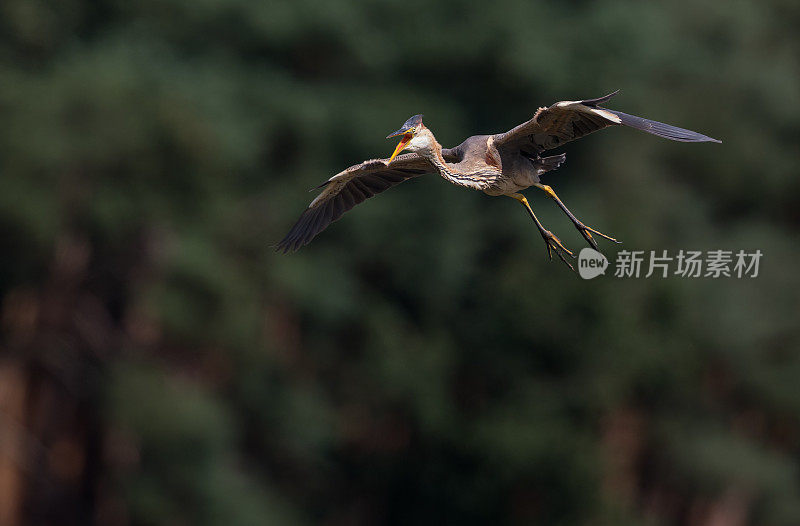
[
  {"x": 554, "y": 244},
  {"x": 587, "y": 231}
]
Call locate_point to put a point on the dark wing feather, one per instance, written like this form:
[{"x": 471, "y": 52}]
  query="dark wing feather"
[
  {"x": 346, "y": 189},
  {"x": 569, "y": 120},
  {"x": 667, "y": 131}
]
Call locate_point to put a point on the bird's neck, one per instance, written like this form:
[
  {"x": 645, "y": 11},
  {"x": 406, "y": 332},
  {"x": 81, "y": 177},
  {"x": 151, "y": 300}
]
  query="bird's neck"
[
  {"x": 469, "y": 178},
  {"x": 434, "y": 155}
]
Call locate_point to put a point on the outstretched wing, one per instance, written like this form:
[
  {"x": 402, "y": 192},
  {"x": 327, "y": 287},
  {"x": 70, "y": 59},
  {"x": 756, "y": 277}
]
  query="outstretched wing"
[
  {"x": 569, "y": 120},
  {"x": 346, "y": 189}
]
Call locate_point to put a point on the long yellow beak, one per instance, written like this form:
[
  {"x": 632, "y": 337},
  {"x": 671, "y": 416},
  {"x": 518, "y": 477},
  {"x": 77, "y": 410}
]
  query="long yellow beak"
[{"x": 402, "y": 144}]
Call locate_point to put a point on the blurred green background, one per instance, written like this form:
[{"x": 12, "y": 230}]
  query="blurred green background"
[{"x": 421, "y": 362}]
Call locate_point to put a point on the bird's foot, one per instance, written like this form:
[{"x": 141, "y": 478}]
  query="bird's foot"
[
  {"x": 587, "y": 231},
  {"x": 554, "y": 245}
]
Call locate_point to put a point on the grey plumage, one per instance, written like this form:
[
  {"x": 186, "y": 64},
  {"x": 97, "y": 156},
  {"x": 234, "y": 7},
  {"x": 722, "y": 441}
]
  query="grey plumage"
[{"x": 500, "y": 164}]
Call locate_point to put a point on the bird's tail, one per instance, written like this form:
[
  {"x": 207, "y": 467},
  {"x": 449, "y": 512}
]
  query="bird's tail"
[{"x": 551, "y": 163}]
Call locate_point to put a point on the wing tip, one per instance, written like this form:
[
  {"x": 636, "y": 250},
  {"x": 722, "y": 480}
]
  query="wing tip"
[
  {"x": 282, "y": 247},
  {"x": 296, "y": 237},
  {"x": 661, "y": 129},
  {"x": 693, "y": 136},
  {"x": 699, "y": 137},
  {"x": 599, "y": 100}
]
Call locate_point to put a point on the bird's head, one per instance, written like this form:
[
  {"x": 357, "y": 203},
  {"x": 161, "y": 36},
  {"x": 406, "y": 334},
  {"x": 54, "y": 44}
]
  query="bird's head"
[{"x": 416, "y": 137}]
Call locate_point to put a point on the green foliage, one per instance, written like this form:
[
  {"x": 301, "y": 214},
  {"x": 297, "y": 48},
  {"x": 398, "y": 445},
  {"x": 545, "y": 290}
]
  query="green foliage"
[{"x": 421, "y": 361}]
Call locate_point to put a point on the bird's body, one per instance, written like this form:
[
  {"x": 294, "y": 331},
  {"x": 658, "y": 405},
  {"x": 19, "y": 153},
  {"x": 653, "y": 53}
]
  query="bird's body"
[
  {"x": 499, "y": 164},
  {"x": 515, "y": 172}
]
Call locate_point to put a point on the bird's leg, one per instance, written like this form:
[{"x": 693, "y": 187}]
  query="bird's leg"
[
  {"x": 585, "y": 231},
  {"x": 550, "y": 240}
]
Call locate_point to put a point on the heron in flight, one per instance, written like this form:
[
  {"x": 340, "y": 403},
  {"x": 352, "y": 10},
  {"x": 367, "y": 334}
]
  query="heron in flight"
[{"x": 500, "y": 164}]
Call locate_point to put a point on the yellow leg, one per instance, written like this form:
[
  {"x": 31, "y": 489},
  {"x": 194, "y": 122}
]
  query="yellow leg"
[
  {"x": 550, "y": 240},
  {"x": 585, "y": 231}
]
